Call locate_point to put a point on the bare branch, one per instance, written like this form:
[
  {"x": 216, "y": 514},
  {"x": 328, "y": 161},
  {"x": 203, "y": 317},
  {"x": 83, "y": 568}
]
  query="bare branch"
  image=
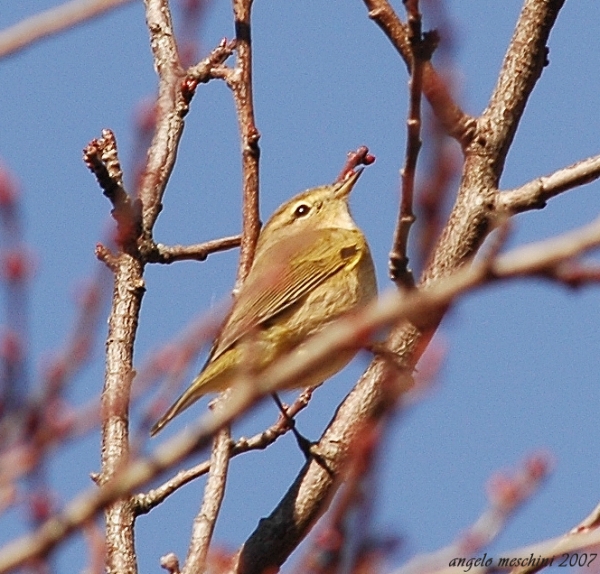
[
  {"x": 458, "y": 124},
  {"x": 209, "y": 68},
  {"x": 421, "y": 47},
  {"x": 304, "y": 500},
  {"x": 100, "y": 155},
  {"x": 535, "y": 194},
  {"x": 584, "y": 535},
  {"x": 53, "y": 21},
  {"x": 198, "y": 252},
  {"x": 507, "y": 494},
  {"x": 535, "y": 259},
  {"x": 241, "y": 84},
  {"x": 170, "y": 563},
  {"x": 523, "y": 63},
  {"x": 171, "y": 106},
  {"x": 361, "y": 156},
  {"x": 144, "y": 503},
  {"x": 204, "y": 523}
]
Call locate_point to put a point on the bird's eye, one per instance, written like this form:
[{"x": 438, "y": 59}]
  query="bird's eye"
[{"x": 301, "y": 210}]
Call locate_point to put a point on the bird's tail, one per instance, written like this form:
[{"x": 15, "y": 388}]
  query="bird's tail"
[{"x": 191, "y": 395}]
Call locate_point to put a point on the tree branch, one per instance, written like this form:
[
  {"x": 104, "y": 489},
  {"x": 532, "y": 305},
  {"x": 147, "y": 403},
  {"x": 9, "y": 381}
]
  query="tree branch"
[
  {"x": 171, "y": 106},
  {"x": 506, "y": 495},
  {"x": 241, "y": 84},
  {"x": 522, "y": 66},
  {"x": 422, "y": 47},
  {"x": 204, "y": 523},
  {"x": 535, "y": 194},
  {"x": 53, "y": 21},
  {"x": 198, "y": 252},
  {"x": 533, "y": 260},
  {"x": 145, "y": 502},
  {"x": 456, "y": 122},
  {"x": 306, "y": 499}
]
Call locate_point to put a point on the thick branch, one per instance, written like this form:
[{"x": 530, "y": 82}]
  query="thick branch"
[
  {"x": 304, "y": 501},
  {"x": 523, "y": 63},
  {"x": 127, "y": 299},
  {"x": 537, "y": 259}
]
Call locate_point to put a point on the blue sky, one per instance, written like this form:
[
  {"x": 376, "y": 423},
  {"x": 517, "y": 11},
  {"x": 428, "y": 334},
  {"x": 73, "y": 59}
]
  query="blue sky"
[{"x": 521, "y": 363}]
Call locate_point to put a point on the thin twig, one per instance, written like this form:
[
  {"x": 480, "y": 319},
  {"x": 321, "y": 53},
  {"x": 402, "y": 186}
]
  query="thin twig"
[
  {"x": 198, "y": 252},
  {"x": 213, "y": 66},
  {"x": 506, "y": 495},
  {"x": 53, "y": 21},
  {"x": 241, "y": 84},
  {"x": 422, "y": 47},
  {"x": 100, "y": 155},
  {"x": 361, "y": 156},
  {"x": 170, "y": 563},
  {"x": 457, "y": 123},
  {"x": 145, "y": 502}
]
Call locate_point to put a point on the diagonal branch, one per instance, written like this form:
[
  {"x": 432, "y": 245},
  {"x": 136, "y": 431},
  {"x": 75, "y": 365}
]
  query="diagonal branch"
[
  {"x": 533, "y": 260},
  {"x": 522, "y": 66},
  {"x": 145, "y": 502},
  {"x": 535, "y": 194},
  {"x": 53, "y": 21},
  {"x": 457, "y": 123}
]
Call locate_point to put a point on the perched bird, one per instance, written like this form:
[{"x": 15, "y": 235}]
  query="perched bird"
[{"x": 312, "y": 265}]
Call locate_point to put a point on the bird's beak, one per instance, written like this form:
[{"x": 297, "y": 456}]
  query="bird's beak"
[{"x": 345, "y": 187}]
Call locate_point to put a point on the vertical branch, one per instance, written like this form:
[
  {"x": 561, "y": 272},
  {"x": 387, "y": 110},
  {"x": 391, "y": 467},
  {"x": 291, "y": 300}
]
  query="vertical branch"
[
  {"x": 135, "y": 222},
  {"x": 170, "y": 109},
  {"x": 128, "y": 289},
  {"x": 420, "y": 53},
  {"x": 241, "y": 84},
  {"x": 205, "y": 521},
  {"x": 456, "y": 122},
  {"x": 240, "y": 81},
  {"x": 307, "y": 497}
]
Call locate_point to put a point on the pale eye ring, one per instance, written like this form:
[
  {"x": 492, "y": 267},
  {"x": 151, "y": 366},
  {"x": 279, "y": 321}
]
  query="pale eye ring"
[{"x": 301, "y": 210}]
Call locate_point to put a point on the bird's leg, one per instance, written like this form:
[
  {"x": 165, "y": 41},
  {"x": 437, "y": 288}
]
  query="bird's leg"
[
  {"x": 308, "y": 448},
  {"x": 303, "y": 443}
]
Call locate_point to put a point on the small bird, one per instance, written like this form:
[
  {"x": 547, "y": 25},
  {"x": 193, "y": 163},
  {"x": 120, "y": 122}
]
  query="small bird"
[{"x": 312, "y": 265}]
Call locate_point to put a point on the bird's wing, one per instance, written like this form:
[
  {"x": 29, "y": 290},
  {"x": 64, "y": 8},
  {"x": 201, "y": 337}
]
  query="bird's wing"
[{"x": 284, "y": 273}]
